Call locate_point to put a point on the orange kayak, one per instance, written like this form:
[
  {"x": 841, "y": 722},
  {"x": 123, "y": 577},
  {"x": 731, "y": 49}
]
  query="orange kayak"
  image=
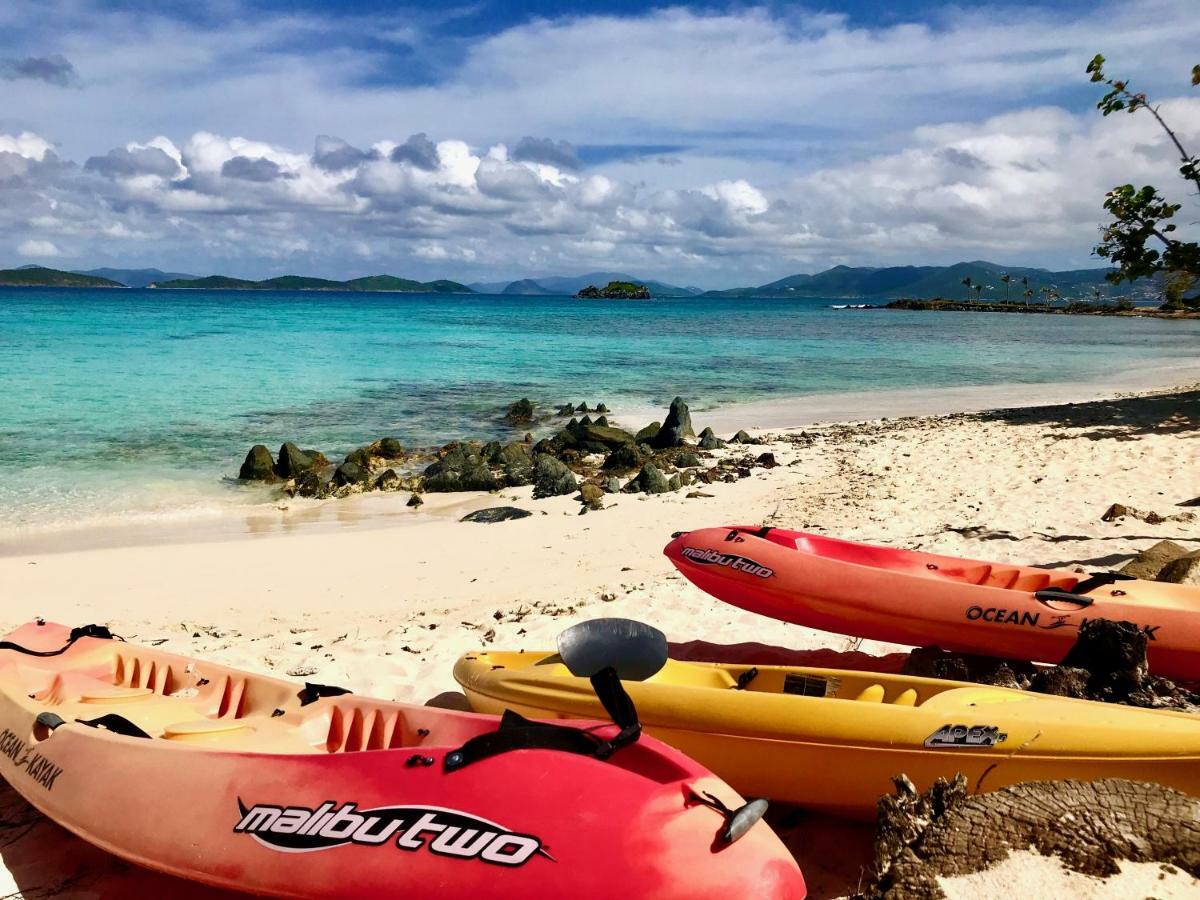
[
  {"x": 261, "y": 785},
  {"x": 919, "y": 599}
]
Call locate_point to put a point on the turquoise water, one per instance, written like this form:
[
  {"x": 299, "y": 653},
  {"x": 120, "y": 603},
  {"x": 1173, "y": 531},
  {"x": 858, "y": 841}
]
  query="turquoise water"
[{"x": 119, "y": 402}]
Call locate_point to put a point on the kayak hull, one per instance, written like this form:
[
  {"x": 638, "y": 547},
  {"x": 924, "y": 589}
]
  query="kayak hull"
[
  {"x": 923, "y": 599},
  {"x": 833, "y": 739},
  {"x": 349, "y": 797}
]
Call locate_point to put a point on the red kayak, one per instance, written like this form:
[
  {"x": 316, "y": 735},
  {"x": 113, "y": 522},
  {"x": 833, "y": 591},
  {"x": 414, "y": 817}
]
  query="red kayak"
[
  {"x": 261, "y": 785},
  {"x": 919, "y": 599}
]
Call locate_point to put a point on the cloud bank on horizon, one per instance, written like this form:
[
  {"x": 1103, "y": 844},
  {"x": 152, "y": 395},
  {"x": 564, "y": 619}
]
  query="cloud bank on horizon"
[{"x": 712, "y": 146}]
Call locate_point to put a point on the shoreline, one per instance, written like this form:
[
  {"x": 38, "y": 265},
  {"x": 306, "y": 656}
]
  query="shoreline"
[{"x": 280, "y": 515}]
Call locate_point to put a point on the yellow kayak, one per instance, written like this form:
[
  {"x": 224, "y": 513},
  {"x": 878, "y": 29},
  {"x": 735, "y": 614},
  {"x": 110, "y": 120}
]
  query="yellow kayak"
[{"x": 832, "y": 739}]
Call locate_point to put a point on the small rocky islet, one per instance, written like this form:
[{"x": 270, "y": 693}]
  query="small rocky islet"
[{"x": 585, "y": 456}]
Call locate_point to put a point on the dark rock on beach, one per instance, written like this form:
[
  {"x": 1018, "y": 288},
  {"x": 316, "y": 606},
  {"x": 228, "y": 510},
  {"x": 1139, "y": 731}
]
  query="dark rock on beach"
[
  {"x": 687, "y": 459},
  {"x": 496, "y": 514},
  {"x": 387, "y": 448},
  {"x": 552, "y": 478},
  {"x": 520, "y": 413},
  {"x": 1153, "y": 560},
  {"x": 649, "y": 481},
  {"x": 459, "y": 469},
  {"x": 294, "y": 462},
  {"x": 743, "y": 437},
  {"x": 388, "y": 480},
  {"x": 601, "y": 408},
  {"x": 515, "y": 462},
  {"x": 767, "y": 460},
  {"x": 310, "y": 485},
  {"x": 677, "y": 428},
  {"x": 709, "y": 441},
  {"x": 350, "y": 473},
  {"x": 604, "y": 436},
  {"x": 258, "y": 466},
  {"x": 1182, "y": 570},
  {"x": 414, "y": 501},
  {"x": 647, "y": 434},
  {"x": 591, "y": 495},
  {"x": 360, "y": 457},
  {"x": 624, "y": 459}
]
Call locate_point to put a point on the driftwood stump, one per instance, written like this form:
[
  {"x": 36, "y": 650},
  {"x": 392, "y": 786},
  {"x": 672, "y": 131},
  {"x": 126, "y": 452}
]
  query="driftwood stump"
[{"x": 1090, "y": 826}]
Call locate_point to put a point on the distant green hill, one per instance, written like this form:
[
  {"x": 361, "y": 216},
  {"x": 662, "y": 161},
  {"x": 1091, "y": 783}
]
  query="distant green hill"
[
  {"x": 211, "y": 283},
  {"x": 39, "y": 276},
  {"x": 526, "y": 287},
  {"x": 302, "y": 283},
  {"x": 383, "y": 283},
  {"x": 927, "y": 282},
  {"x": 442, "y": 286}
]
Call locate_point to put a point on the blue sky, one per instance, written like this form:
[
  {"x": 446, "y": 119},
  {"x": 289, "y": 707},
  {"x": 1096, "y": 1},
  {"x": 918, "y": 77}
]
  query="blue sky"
[{"x": 716, "y": 144}]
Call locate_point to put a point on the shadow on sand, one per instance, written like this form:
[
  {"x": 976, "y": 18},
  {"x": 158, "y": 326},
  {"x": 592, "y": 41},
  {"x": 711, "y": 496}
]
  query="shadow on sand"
[
  {"x": 41, "y": 860},
  {"x": 1124, "y": 419}
]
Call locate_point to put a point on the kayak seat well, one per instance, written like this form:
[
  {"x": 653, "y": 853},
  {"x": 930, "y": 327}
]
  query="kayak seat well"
[
  {"x": 202, "y": 729},
  {"x": 684, "y": 674},
  {"x": 1015, "y": 578}
]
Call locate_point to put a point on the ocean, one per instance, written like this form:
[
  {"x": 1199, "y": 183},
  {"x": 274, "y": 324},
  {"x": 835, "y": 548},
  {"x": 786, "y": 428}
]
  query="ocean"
[{"x": 120, "y": 404}]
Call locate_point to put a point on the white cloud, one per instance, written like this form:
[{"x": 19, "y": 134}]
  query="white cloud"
[
  {"x": 26, "y": 144},
  {"x": 33, "y": 248},
  {"x": 796, "y": 139}
]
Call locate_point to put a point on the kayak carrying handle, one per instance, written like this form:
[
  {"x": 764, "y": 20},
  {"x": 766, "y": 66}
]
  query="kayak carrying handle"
[
  {"x": 518, "y": 733},
  {"x": 1053, "y": 595},
  {"x": 50, "y": 720}
]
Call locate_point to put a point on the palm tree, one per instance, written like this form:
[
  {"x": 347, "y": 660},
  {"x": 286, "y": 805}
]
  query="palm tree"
[
  {"x": 1028, "y": 293},
  {"x": 978, "y": 290},
  {"x": 967, "y": 282},
  {"x": 1007, "y": 279}
]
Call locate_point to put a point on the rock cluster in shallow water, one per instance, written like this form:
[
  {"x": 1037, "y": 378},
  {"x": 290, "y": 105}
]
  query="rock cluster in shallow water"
[{"x": 586, "y": 456}]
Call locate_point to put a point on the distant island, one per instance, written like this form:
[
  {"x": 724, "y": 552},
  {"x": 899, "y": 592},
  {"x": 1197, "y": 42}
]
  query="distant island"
[
  {"x": 569, "y": 285},
  {"x": 387, "y": 283},
  {"x": 615, "y": 290},
  {"x": 39, "y": 276}
]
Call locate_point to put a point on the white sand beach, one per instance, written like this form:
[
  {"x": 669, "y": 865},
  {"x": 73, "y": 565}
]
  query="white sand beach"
[{"x": 380, "y": 599}]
